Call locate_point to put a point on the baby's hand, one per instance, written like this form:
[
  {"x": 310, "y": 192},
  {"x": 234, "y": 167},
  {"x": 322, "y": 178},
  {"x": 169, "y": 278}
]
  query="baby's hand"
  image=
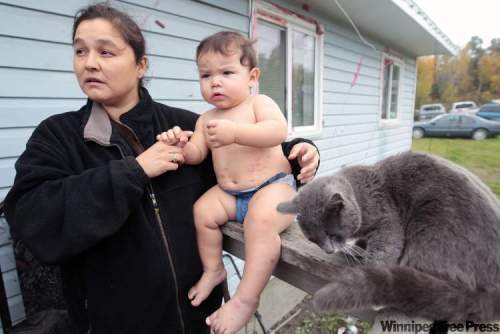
[
  {"x": 220, "y": 132},
  {"x": 175, "y": 136}
]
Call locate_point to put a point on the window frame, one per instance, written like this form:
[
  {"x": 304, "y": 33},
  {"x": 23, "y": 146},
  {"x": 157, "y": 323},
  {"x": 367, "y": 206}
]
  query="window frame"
[
  {"x": 269, "y": 13},
  {"x": 400, "y": 63}
]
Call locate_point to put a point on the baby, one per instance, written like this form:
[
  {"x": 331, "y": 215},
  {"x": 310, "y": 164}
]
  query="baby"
[{"x": 244, "y": 133}]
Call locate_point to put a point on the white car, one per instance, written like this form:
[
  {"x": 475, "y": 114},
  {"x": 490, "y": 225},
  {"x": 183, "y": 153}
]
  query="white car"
[
  {"x": 469, "y": 107},
  {"x": 428, "y": 111}
]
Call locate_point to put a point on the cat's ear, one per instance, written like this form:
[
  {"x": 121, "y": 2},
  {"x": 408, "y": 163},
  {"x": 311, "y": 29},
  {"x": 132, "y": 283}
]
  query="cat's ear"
[
  {"x": 336, "y": 202},
  {"x": 287, "y": 207}
]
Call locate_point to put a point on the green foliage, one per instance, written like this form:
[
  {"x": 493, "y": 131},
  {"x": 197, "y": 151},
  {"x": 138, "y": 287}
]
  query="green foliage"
[
  {"x": 327, "y": 324},
  {"x": 472, "y": 74}
]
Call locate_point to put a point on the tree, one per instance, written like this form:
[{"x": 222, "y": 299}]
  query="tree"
[{"x": 425, "y": 80}]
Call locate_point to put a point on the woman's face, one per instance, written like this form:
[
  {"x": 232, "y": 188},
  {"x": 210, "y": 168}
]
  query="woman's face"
[{"x": 105, "y": 64}]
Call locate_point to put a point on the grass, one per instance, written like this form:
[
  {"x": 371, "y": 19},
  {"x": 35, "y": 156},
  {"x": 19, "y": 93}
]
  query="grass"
[{"x": 482, "y": 157}]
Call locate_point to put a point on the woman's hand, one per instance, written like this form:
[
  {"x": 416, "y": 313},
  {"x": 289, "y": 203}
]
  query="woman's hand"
[
  {"x": 308, "y": 158},
  {"x": 160, "y": 158}
]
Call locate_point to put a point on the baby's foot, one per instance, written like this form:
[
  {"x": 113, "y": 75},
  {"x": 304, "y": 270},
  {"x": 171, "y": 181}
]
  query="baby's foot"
[
  {"x": 232, "y": 316},
  {"x": 200, "y": 291}
]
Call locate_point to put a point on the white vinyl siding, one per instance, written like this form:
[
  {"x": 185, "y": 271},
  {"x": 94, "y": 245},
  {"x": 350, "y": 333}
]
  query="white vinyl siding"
[{"x": 38, "y": 81}]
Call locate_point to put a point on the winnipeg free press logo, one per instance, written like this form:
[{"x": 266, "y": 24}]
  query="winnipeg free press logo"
[{"x": 392, "y": 326}]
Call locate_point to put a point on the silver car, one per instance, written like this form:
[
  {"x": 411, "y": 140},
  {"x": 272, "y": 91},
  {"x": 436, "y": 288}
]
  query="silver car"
[{"x": 457, "y": 125}]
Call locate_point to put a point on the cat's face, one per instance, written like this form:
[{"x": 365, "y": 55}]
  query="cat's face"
[{"x": 326, "y": 211}]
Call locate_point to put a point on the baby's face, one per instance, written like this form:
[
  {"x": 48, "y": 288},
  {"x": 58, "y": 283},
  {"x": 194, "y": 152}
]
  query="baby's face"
[{"x": 224, "y": 81}]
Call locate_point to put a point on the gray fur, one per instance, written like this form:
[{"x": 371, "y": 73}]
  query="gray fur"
[{"x": 430, "y": 232}]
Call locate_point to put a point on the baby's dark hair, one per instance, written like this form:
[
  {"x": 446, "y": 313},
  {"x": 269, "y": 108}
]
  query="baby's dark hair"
[{"x": 226, "y": 42}]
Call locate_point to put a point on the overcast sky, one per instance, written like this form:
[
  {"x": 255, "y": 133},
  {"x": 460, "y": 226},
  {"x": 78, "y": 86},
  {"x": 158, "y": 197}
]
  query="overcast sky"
[{"x": 462, "y": 19}]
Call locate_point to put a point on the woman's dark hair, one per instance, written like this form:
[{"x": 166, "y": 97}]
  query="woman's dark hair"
[
  {"x": 226, "y": 42},
  {"x": 121, "y": 21}
]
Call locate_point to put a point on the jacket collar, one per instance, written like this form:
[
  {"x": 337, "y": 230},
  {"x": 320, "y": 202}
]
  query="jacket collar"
[{"x": 97, "y": 125}]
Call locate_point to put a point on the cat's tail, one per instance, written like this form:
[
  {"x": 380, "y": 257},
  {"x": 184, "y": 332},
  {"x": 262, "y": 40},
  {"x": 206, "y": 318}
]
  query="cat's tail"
[{"x": 408, "y": 290}]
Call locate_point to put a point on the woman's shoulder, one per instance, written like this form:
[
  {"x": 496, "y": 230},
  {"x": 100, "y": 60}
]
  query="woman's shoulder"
[
  {"x": 62, "y": 123},
  {"x": 176, "y": 114}
]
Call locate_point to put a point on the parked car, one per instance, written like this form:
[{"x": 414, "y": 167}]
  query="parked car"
[
  {"x": 490, "y": 111},
  {"x": 457, "y": 125},
  {"x": 463, "y": 106},
  {"x": 429, "y": 111}
]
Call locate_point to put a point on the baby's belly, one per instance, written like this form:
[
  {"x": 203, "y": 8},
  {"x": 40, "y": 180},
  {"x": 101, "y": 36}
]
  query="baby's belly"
[{"x": 248, "y": 167}]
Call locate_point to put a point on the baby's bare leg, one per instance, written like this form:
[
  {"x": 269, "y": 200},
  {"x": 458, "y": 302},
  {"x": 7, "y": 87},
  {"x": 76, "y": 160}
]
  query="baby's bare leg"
[
  {"x": 262, "y": 226},
  {"x": 211, "y": 210}
]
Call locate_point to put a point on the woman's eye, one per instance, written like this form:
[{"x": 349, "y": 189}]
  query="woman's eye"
[
  {"x": 228, "y": 72},
  {"x": 204, "y": 76},
  {"x": 106, "y": 53},
  {"x": 79, "y": 52}
]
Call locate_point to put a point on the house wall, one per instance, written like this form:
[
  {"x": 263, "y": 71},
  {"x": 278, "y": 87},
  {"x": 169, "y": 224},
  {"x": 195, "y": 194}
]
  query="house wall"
[
  {"x": 37, "y": 81},
  {"x": 352, "y": 132}
]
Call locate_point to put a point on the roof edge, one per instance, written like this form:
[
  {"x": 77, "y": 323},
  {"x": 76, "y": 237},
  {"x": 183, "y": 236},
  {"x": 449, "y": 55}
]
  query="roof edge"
[{"x": 419, "y": 16}]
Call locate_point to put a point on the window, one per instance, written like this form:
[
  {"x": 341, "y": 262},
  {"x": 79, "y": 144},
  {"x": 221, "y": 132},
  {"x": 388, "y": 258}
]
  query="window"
[
  {"x": 290, "y": 53},
  {"x": 391, "y": 87}
]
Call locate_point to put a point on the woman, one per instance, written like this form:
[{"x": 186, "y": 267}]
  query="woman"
[{"x": 96, "y": 194}]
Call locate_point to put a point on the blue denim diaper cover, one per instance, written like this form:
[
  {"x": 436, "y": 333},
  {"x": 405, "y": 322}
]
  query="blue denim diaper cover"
[{"x": 243, "y": 197}]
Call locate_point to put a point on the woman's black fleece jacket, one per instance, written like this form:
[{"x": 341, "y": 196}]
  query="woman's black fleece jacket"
[{"x": 81, "y": 200}]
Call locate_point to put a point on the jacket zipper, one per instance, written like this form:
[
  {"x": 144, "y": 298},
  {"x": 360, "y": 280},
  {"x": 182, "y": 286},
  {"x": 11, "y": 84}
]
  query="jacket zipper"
[
  {"x": 163, "y": 236},
  {"x": 165, "y": 243}
]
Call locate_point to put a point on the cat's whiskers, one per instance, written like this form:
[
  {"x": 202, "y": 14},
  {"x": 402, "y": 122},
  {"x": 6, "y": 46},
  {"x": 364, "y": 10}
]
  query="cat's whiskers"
[
  {"x": 346, "y": 250},
  {"x": 345, "y": 256}
]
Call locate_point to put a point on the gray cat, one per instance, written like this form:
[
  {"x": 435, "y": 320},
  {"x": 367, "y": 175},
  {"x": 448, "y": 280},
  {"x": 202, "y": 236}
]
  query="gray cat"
[{"x": 428, "y": 238}]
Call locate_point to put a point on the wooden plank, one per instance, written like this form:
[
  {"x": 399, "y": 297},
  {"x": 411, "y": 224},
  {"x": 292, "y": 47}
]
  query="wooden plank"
[
  {"x": 42, "y": 84},
  {"x": 370, "y": 156},
  {"x": 7, "y": 172},
  {"x": 302, "y": 263},
  {"x": 3, "y": 193},
  {"x": 30, "y": 112},
  {"x": 170, "y": 68},
  {"x": 11, "y": 282},
  {"x": 170, "y": 46},
  {"x": 170, "y": 24},
  {"x": 18, "y": 52},
  {"x": 190, "y": 9},
  {"x": 61, "y": 7},
  {"x": 201, "y": 12},
  {"x": 4, "y": 232},
  {"x": 351, "y": 65},
  {"x": 237, "y": 6},
  {"x": 342, "y": 87},
  {"x": 352, "y": 97},
  {"x": 343, "y": 76},
  {"x": 338, "y": 51},
  {"x": 13, "y": 141},
  {"x": 349, "y": 109},
  {"x": 16, "y": 306},
  {"x": 351, "y": 119},
  {"x": 32, "y": 24},
  {"x": 38, "y": 84},
  {"x": 174, "y": 89}
]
